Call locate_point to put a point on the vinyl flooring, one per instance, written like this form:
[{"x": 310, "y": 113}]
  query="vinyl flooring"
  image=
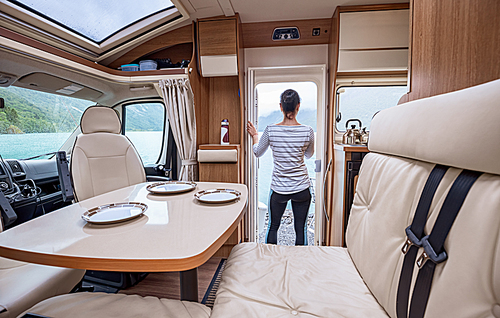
[{"x": 167, "y": 285}]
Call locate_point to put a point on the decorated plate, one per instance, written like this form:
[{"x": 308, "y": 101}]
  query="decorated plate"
[
  {"x": 171, "y": 187},
  {"x": 217, "y": 195},
  {"x": 115, "y": 212}
]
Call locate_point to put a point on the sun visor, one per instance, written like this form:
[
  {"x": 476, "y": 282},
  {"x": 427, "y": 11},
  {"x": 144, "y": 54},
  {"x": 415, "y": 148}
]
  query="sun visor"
[{"x": 55, "y": 85}]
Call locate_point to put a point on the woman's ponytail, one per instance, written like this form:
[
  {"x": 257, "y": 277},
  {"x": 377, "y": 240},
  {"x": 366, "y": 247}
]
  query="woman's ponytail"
[{"x": 289, "y": 100}]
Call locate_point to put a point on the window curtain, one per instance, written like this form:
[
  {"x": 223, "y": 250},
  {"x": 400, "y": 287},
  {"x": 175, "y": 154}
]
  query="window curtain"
[{"x": 179, "y": 101}]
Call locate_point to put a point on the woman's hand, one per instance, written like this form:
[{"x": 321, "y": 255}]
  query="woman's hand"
[
  {"x": 251, "y": 129},
  {"x": 253, "y": 132}
]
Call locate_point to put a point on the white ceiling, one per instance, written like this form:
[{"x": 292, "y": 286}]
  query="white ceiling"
[{"x": 273, "y": 10}]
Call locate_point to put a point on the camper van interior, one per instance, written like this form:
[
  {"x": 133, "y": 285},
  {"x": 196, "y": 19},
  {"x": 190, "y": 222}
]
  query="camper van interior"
[{"x": 130, "y": 184}]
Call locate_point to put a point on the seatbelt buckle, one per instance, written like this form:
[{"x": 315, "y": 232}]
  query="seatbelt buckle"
[
  {"x": 411, "y": 239},
  {"x": 430, "y": 254}
]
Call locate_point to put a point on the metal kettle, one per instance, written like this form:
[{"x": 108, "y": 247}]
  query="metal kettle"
[
  {"x": 363, "y": 136},
  {"x": 352, "y": 135}
]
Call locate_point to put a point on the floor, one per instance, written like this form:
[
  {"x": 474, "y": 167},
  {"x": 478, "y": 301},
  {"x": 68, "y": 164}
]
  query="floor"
[{"x": 167, "y": 285}]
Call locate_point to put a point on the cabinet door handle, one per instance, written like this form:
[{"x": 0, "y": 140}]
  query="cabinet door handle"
[{"x": 324, "y": 185}]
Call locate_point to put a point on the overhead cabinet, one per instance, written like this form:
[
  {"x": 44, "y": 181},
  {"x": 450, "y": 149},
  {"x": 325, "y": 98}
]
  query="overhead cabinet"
[{"x": 217, "y": 47}]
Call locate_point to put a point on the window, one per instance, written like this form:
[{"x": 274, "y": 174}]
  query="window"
[
  {"x": 35, "y": 123},
  {"x": 144, "y": 126},
  {"x": 96, "y": 20},
  {"x": 362, "y": 102}
]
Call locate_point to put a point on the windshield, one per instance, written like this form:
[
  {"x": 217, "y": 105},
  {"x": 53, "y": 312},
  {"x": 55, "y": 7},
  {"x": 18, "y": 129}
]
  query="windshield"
[{"x": 33, "y": 123}]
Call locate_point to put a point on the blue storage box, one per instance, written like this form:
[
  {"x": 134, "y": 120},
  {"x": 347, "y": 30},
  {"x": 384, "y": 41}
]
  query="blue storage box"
[
  {"x": 130, "y": 67},
  {"x": 148, "y": 65}
]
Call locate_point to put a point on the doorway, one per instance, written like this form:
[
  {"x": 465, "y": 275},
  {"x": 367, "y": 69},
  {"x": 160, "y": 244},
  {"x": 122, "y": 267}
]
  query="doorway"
[{"x": 265, "y": 87}]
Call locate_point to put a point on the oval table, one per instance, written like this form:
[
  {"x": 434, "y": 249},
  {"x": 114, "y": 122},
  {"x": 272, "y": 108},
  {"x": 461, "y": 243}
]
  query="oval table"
[{"x": 176, "y": 233}]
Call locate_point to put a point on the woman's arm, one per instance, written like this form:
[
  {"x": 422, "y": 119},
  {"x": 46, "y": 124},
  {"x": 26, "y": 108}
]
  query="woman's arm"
[
  {"x": 310, "y": 149},
  {"x": 260, "y": 148}
]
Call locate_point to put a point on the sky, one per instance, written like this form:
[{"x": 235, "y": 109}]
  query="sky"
[{"x": 269, "y": 95}]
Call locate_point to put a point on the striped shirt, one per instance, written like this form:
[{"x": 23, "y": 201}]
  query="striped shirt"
[{"x": 289, "y": 145}]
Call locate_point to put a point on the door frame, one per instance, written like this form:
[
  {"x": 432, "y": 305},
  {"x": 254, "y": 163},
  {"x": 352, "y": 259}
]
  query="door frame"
[{"x": 303, "y": 73}]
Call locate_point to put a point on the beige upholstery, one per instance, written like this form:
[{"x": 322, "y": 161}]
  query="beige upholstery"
[
  {"x": 459, "y": 129},
  {"x": 102, "y": 159},
  {"x": 262, "y": 280},
  {"x": 362, "y": 280},
  {"x": 85, "y": 305},
  {"x": 208, "y": 155},
  {"x": 22, "y": 284}
]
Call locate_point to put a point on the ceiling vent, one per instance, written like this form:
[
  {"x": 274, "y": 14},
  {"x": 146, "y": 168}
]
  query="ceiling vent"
[{"x": 291, "y": 33}]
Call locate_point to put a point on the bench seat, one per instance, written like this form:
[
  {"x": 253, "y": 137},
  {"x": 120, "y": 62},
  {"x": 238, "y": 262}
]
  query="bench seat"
[{"x": 262, "y": 280}]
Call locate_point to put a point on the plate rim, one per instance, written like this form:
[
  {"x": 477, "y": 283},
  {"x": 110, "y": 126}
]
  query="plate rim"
[
  {"x": 86, "y": 217},
  {"x": 191, "y": 183},
  {"x": 200, "y": 193}
]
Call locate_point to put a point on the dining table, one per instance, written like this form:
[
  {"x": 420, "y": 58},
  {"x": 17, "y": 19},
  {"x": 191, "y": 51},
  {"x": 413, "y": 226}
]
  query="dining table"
[{"x": 173, "y": 232}]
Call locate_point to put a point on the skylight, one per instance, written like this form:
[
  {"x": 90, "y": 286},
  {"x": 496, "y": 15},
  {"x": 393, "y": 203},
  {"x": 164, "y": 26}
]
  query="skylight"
[{"x": 96, "y": 20}]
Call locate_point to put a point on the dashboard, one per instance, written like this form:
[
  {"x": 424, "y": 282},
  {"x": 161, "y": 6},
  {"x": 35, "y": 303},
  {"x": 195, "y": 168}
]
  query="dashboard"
[{"x": 31, "y": 188}]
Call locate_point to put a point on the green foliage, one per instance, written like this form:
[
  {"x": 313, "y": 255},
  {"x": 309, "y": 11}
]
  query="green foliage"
[
  {"x": 36, "y": 112},
  {"x": 29, "y": 111}
]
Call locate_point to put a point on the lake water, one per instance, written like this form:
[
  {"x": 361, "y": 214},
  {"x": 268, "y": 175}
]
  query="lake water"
[{"x": 21, "y": 146}]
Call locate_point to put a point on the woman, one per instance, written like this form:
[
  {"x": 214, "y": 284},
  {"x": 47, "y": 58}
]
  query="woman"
[{"x": 290, "y": 142}]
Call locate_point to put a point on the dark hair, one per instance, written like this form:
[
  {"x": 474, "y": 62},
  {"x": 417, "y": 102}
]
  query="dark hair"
[{"x": 289, "y": 100}]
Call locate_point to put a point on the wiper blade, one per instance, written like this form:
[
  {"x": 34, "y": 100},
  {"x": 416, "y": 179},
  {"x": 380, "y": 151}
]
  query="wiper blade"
[{"x": 45, "y": 154}]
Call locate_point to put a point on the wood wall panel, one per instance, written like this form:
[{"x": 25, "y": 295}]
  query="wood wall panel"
[
  {"x": 200, "y": 86},
  {"x": 217, "y": 37},
  {"x": 175, "y": 53},
  {"x": 455, "y": 44},
  {"x": 177, "y": 36},
  {"x": 224, "y": 103},
  {"x": 333, "y": 56},
  {"x": 260, "y": 34}
]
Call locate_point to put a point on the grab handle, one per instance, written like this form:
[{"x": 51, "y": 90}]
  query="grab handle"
[{"x": 324, "y": 185}]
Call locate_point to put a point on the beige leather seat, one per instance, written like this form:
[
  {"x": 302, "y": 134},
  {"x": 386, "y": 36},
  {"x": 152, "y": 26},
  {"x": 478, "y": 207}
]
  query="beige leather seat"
[
  {"x": 84, "y": 305},
  {"x": 102, "y": 159},
  {"x": 22, "y": 284}
]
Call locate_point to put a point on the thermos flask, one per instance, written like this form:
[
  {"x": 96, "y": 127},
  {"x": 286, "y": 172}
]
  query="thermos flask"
[{"x": 224, "y": 132}]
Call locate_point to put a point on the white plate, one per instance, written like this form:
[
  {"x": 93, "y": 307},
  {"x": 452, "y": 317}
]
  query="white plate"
[
  {"x": 170, "y": 187},
  {"x": 217, "y": 195},
  {"x": 115, "y": 212}
]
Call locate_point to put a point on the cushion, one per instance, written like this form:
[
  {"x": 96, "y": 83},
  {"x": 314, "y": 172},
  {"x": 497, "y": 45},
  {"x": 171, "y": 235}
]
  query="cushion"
[
  {"x": 100, "y": 119},
  {"x": 85, "y": 305},
  {"x": 22, "y": 284},
  {"x": 458, "y": 129},
  {"x": 262, "y": 280}
]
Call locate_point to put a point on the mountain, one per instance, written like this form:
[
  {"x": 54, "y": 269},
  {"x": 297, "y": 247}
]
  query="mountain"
[
  {"x": 305, "y": 117},
  {"x": 29, "y": 111}
]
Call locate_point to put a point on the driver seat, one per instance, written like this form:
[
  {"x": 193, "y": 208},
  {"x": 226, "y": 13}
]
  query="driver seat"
[{"x": 102, "y": 159}]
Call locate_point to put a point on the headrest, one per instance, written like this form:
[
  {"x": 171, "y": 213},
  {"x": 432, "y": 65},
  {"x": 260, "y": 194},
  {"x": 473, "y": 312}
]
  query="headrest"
[
  {"x": 459, "y": 129},
  {"x": 100, "y": 119}
]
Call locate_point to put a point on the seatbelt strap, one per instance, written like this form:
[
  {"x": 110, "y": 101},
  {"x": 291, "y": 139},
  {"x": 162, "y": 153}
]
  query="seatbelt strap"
[
  {"x": 433, "y": 244},
  {"x": 414, "y": 234}
]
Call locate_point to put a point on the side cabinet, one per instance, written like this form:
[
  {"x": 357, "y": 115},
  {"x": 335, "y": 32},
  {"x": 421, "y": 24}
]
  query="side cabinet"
[
  {"x": 222, "y": 171},
  {"x": 217, "y": 47},
  {"x": 348, "y": 160}
]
